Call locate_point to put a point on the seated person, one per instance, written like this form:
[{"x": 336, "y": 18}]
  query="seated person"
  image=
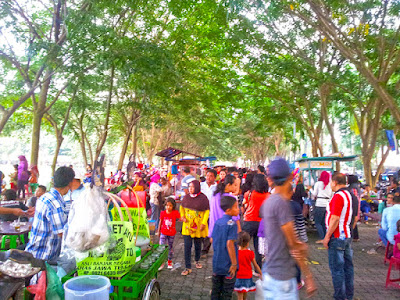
[
  {"x": 10, "y": 201},
  {"x": 390, "y": 217},
  {"x": 396, "y": 248},
  {"x": 386, "y": 203},
  {"x": 394, "y": 188},
  {"x": 41, "y": 190}
]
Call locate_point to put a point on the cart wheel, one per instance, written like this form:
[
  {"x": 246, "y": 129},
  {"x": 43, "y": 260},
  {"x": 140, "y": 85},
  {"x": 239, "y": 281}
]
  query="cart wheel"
[{"x": 152, "y": 290}]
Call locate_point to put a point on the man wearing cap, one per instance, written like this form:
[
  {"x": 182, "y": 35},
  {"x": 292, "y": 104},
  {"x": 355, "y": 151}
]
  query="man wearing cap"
[
  {"x": 284, "y": 249},
  {"x": 50, "y": 218}
]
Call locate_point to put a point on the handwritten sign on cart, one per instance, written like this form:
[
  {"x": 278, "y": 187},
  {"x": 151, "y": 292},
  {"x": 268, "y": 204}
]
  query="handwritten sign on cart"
[
  {"x": 116, "y": 261},
  {"x": 143, "y": 223}
]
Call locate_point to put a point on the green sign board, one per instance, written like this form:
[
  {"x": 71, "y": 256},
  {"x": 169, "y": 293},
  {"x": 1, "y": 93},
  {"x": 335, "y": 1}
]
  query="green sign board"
[
  {"x": 116, "y": 261},
  {"x": 143, "y": 224}
]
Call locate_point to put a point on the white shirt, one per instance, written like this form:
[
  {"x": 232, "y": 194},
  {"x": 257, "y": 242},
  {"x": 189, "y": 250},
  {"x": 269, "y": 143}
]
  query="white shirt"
[
  {"x": 208, "y": 190},
  {"x": 323, "y": 195},
  {"x": 155, "y": 189}
]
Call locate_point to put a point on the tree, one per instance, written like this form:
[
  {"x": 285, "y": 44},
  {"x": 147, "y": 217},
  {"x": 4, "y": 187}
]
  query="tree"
[
  {"x": 42, "y": 32},
  {"x": 365, "y": 33},
  {"x": 58, "y": 118}
]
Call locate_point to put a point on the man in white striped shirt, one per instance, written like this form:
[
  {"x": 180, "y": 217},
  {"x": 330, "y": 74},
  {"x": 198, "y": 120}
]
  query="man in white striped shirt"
[{"x": 338, "y": 239}]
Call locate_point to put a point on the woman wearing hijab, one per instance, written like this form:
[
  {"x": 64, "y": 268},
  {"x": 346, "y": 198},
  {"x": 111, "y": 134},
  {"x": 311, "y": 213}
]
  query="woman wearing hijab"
[
  {"x": 138, "y": 183},
  {"x": 23, "y": 176},
  {"x": 322, "y": 193},
  {"x": 195, "y": 210}
]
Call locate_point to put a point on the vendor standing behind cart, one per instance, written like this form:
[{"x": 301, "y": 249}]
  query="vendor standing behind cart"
[
  {"x": 322, "y": 193},
  {"x": 188, "y": 178},
  {"x": 50, "y": 218}
]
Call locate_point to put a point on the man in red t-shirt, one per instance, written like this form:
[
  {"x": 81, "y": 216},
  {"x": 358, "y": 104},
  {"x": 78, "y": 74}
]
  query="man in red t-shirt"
[{"x": 338, "y": 239}]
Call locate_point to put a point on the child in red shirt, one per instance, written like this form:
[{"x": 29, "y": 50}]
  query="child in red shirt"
[
  {"x": 167, "y": 227},
  {"x": 244, "y": 282}
]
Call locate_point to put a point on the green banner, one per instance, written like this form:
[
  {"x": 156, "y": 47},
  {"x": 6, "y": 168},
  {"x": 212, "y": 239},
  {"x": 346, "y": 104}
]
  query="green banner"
[
  {"x": 143, "y": 224},
  {"x": 117, "y": 261}
]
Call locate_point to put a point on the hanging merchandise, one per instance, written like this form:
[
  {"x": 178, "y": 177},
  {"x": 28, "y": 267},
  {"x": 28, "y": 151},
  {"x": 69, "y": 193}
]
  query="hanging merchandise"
[
  {"x": 120, "y": 255},
  {"x": 87, "y": 222}
]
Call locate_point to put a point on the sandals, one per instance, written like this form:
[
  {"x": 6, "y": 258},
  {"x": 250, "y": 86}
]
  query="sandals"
[
  {"x": 198, "y": 265},
  {"x": 186, "y": 272}
]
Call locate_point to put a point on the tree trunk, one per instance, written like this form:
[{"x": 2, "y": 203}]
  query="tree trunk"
[
  {"x": 37, "y": 119},
  {"x": 103, "y": 138},
  {"x": 82, "y": 140},
  {"x": 38, "y": 113},
  {"x": 125, "y": 146},
  {"x": 367, "y": 164},
  {"x": 379, "y": 170},
  {"x": 60, "y": 139},
  {"x": 134, "y": 141},
  {"x": 89, "y": 150}
]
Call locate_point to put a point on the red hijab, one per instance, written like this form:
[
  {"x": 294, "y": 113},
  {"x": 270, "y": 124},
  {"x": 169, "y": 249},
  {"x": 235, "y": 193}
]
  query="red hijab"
[{"x": 325, "y": 178}]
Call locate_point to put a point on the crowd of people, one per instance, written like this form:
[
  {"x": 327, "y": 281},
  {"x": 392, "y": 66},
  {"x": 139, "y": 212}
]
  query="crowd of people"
[{"x": 226, "y": 208}]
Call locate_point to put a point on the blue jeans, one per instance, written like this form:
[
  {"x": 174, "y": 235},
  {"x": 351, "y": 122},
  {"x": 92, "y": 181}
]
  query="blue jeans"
[
  {"x": 382, "y": 235},
  {"x": 365, "y": 208},
  {"x": 319, "y": 218},
  {"x": 155, "y": 213},
  {"x": 342, "y": 270},
  {"x": 279, "y": 289}
]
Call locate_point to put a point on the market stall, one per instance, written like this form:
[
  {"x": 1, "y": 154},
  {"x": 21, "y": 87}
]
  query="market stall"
[{"x": 310, "y": 167}]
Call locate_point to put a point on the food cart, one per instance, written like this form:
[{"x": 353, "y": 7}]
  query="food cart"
[
  {"x": 313, "y": 165},
  {"x": 140, "y": 281},
  {"x": 196, "y": 161}
]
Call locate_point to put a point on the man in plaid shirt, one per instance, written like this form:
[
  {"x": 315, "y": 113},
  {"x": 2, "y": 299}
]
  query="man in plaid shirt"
[{"x": 50, "y": 218}]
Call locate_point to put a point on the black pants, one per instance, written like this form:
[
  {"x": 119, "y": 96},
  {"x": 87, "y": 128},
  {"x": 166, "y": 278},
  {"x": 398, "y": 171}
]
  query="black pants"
[
  {"x": 222, "y": 287},
  {"x": 206, "y": 245},
  {"x": 354, "y": 234},
  {"x": 298, "y": 274},
  {"x": 21, "y": 188},
  {"x": 251, "y": 227},
  {"x": 188, "y": 240}
]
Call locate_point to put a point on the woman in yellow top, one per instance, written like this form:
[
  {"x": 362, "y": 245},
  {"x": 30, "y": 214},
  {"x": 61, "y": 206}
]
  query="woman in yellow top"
[
  {"x": 138, "y": 183},
  {"x": 194, "y": 210}
]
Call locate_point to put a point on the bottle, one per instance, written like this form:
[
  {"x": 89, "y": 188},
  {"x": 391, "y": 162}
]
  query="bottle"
[{"x": 342, "y": 235}]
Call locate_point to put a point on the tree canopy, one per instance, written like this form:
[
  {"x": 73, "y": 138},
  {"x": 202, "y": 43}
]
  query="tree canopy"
[{"x": 231, "y": 78}]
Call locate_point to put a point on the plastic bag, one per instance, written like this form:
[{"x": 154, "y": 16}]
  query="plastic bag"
[
  {"x": 259, "y": 295},
  {"x": 88, "y": 219},
  {"x": 54, "y": 288},
  {"x": 39, "y": 289}
]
